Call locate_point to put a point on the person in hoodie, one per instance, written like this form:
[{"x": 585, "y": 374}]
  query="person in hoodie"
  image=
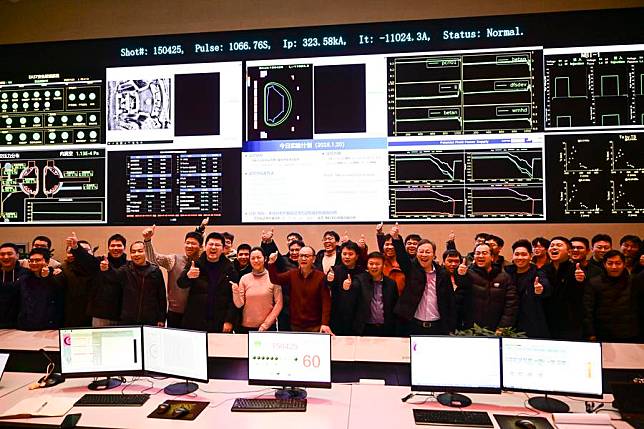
[
  {"x": 532, "y": 287},
  {"x": 12, "y": 271},
  {"x": 258, "y": 298},
  {"x": 143, "y": 287},
  {"x": 104, "y": 305},
  {"x": 564, "y": 307},
  {"x": 41, "y": 295},
  {"x": 493, "y": 295},
  {"x": 610, "y": 302}
]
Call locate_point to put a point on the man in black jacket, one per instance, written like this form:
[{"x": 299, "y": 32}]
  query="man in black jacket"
[
  {"x": 105, "y": 297},
  {"x": 610, "y": 303},
  {"x": 78, "y": 283},
  {"x": 9, "y": 293},
  {"x": 426, "y": 306},
  {"x": 329, "y": 256},
  {"x": 564, "y": 308},
  {"x": 210, "y": 301},
  {"x": 376, "y": 296},
  {"x": 493, "y": 295},
  {"x": 342, "y": 303}
]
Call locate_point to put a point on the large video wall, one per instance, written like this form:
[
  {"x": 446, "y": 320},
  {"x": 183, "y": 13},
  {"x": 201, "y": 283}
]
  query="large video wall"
[{"x": 535, "y": 118}]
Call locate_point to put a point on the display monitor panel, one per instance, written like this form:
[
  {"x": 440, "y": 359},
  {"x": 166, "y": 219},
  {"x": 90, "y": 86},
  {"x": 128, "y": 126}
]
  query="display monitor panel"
[
  {"x": 101, "y": 352},
  {"x": 293, "y": 359},
  {"x": 552, "y": 367},
  {"x": 460, "y": 364},
  {"x": 176, "y": 353}
]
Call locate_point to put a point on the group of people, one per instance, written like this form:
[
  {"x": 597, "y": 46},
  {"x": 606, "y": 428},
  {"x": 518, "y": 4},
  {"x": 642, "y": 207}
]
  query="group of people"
[{"x": 562, "y": 288}]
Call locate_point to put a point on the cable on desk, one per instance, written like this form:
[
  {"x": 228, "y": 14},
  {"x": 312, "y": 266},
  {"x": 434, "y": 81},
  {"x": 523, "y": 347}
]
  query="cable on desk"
[{"x": 232, "y": 399}]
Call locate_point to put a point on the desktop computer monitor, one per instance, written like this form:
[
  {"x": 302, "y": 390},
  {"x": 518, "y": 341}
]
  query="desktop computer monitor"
[
  {"x": 289, "y": 359},
  {"x": 101, "y": 352},
  {"x": 455, "y": 364},
  {"x": 552, "y": 367},
  {"x": 176, "y": 353}
]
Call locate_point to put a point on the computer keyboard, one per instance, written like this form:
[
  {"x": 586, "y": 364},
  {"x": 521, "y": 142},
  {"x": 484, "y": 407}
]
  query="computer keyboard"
[
  {"x": 269, "y": 404},
  {"x": 112, "y": 400},
  {"x": 452, "y": 418}
]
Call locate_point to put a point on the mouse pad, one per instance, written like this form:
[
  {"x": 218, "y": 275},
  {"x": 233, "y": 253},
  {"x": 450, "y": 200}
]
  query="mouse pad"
[
  {"x": 509, "y": 421},
  {"x": 195, "y": 407}
]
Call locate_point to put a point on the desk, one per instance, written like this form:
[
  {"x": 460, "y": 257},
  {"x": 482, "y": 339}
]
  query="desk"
[{"x": 327, "y": 408}]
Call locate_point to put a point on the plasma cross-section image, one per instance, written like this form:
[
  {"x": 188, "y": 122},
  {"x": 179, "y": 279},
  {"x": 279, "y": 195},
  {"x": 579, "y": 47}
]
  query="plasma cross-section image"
[{"x": 139, "y": 104}]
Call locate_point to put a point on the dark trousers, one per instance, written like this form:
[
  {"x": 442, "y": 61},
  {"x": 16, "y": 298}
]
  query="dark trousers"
[
  {"x": 377, "y": 330},
  {"x": 174, "y": 319},
  {"x": 417, "y": 327}
]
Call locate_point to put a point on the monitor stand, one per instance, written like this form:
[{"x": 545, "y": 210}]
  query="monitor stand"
[
  {"x": 454, "y": 400},
  {"x": 105, "y": 383},
  {"x": 548, "y": 405},
  {"x": 181, "y": 388},
  {"x": 290, "y": 393}
]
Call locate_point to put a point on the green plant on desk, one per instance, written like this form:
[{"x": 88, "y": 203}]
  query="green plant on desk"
[{"x": 478, "y": 331}]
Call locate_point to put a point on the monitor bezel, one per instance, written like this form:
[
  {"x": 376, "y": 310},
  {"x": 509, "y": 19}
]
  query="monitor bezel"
[
  {"x": 167, "y": 374},
  {"x": 3, "y": 367},
  {"x": 289, "y": 383},
  {"x": 98, "y": 374},
  {"x": 557, "y": 392},
  {"x": 454, "y": 389}
]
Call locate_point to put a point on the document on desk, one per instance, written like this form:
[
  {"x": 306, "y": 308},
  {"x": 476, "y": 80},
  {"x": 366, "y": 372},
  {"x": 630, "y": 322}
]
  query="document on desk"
[{"x": 40, "y": 406}]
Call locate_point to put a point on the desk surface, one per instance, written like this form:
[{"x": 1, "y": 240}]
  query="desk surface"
[
  {"x": 358, "y": 349},
  {"x": 342, "y": 406}
]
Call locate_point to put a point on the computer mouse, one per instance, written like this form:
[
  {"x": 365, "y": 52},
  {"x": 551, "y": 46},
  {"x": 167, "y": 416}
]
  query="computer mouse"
[
  {"x": 525, "y": 424},
  {"x": 163, "y": 408},
  {"x": 182, "y": 411}
]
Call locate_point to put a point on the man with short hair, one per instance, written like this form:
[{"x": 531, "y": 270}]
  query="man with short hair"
[
  {"x": 41, "y": 296},
  {"x": 210, "y": 304},
  {"x": 329, "y": 256},
  {"x": 42, "y": 242},
  {"x": 283, "y": 264},
  {"x": 579, "y": 250},
  {"x": 242, "y": 262},
  {"x": 452, "y": 259},
  {"x": 309, "y": 297},
  {"x": 229, "y": 250},
  {"x": 174, "y": 264},
  {"x": 601, "y": 243},
  {"x": 532, "y": 287},
  {"x": 9, "y": 291},
  {"x": 540, "y": 251},
  {"x": 610, "y": 303},
  {"x": 493, "y": 294},
  {"x": 479, "y": 238},
  {"x": 630, "y": 246},
  {"x": 496, "y": 244},
  {"x": 342, "y": 301},
  {"x": 376, "y": 296},
  {"x": 78, "y": 284},
  {"x": 564, "y": 307},
  {"x": 411, "y": 244}
]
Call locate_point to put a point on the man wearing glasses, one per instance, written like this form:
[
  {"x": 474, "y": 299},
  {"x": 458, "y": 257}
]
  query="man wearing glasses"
[{"x": 310, "y": 299}]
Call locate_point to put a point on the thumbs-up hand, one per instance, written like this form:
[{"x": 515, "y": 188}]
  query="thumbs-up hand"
[
  {"x": 149, "y": 232},
  {"x": 395, "y": 231},
  {"x": 379, "y": 228},
  {"x": 105, "y": 264},
  {"x": 580, "y": 276},
  {"x": 272, "y": 258},
  {"x": 538, "y": 287},
  {"x": 72, "y": 241},
  {"x": 204, "y": 222},
  {"x": 451, "y": 236},
  {"x": 346, "y": 284},
  {"x": 330, "y": 275},
  {"x": 194, "y": 271},
  {"x": 362, "y": 243},
  {"x": 345, "y": 237},
  {"x": 44, "y": 272},
  {"x": 462, "y": 268}
]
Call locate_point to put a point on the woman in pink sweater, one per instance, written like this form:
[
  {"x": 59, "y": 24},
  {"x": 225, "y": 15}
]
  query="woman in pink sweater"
[{"x": 259, "y": 299}]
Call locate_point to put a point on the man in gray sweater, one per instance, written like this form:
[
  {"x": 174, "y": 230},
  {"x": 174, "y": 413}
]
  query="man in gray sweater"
[{"x": 174, "y": 264}]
